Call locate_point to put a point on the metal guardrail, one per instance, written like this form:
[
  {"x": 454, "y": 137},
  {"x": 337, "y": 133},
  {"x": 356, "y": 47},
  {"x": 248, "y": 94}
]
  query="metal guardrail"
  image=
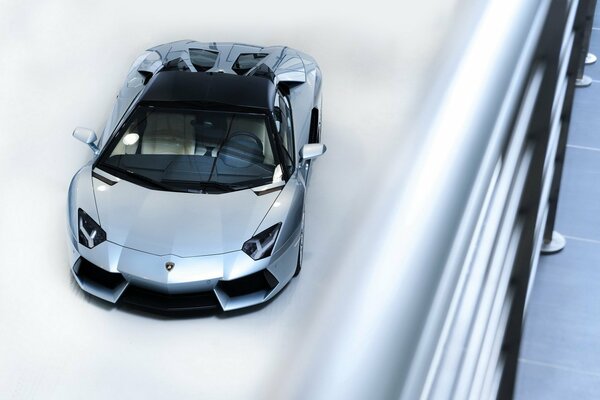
[
  {"x": 583, "y": 80},
  {"x": 431, "y": 301},
  {"x": 583, "y": 22}
]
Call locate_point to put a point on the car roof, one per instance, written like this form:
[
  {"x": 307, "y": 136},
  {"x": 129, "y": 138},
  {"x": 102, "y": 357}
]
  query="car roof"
[{"x": 208, "y": 87}]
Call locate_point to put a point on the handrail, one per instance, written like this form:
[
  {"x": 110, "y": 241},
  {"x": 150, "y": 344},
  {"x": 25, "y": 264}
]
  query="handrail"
[{"x": 438, "y": 290}]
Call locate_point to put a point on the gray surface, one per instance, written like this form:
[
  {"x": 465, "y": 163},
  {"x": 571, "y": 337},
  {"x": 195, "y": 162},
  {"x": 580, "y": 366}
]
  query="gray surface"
[{"x": 560, "y": 352}]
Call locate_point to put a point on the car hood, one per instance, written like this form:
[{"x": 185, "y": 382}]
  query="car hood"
[{"x": 182, "y": 224}]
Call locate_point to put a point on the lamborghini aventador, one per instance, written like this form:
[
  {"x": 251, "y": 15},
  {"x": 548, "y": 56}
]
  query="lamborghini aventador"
[{"x": 194, "y": 196}]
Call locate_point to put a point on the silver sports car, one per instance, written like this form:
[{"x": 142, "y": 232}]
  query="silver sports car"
[{"x": 194, "y": 197}]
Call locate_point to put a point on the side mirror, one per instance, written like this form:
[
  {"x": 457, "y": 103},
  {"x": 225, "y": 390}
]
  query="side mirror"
[
  {"x": 87, "y": 136},
  {"x": 312, "y": 150}
]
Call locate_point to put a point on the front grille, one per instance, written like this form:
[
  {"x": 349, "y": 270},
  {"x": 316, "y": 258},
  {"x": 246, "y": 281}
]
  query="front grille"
[
  {"x": 169, "y": 303},
  {"x": 88, "y": 272}
]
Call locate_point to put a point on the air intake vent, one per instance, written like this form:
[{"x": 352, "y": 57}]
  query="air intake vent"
[
  {"x": 246, "y": 61},
  {"x": 259, "y": 281},
  {"x": 90, "y": 273},
  {"x": 203, "y": 60},
  {"x": 176, "y": 64}
]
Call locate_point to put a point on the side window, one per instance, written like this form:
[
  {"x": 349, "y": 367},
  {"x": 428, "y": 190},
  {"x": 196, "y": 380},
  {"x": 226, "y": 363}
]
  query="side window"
[
  {"x": 283, "y": 121},
  {"x": 288, "y": 139}
]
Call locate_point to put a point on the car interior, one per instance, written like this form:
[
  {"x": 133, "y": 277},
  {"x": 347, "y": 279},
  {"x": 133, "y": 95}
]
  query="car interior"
[{"x": 224, "y": 146}]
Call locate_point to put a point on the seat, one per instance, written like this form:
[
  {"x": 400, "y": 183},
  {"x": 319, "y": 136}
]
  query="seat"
[
  {"x": 255, "y": 125},
  {"x": 210, "y": 128},
  {"x": 242, "y": 150},
  {"x": 168, "y": 133}
]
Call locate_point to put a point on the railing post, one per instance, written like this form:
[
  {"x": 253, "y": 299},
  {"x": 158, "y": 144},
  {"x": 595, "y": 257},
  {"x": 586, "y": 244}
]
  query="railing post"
[
  {"x": 554, "y": 241},
  {"x": 590, "y": 59},
  {"x": 584, "y": 80}
]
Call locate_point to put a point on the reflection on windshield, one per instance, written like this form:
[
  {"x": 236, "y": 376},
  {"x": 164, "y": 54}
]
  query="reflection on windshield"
[{"x": 192, "y": 150}]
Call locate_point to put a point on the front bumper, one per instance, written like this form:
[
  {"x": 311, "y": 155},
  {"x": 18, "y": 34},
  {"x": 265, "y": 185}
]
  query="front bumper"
[{"x": 227, "y": 281}]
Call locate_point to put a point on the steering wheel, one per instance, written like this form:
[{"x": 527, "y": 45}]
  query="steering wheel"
[
  {"x": 242, "y": 149},
  {"x": 248, "y": 134}
]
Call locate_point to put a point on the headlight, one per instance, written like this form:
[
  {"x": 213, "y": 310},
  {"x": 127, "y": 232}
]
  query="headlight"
[
  {"x": 261, "y": 244},
  {"x": 90, "y": 233}
]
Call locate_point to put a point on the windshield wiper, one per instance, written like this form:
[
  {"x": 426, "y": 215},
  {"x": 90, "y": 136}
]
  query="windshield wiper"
[
  {"x": 231, "y": 186},
  {"x": 212, "y": 185},
  {"x": 203, "y": 185},
  {"x": 217, "y": 185},
  {"x": 142, "y": 178}
]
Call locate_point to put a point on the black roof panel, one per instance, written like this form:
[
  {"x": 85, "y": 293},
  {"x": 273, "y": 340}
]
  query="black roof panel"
[{"x": 242, "y": 91}]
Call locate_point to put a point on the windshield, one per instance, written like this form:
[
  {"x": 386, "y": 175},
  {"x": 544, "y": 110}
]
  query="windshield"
[{"x": 192, "y": 150}]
